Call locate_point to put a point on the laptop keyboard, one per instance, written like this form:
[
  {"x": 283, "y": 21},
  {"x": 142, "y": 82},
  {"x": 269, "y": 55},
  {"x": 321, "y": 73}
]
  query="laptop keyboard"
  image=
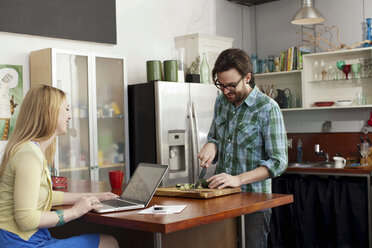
[{"x": 117, "y": 203}]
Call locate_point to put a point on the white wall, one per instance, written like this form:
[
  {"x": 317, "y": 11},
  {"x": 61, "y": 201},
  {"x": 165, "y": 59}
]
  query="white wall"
[
  {"x": 238, "y": 22},
  {"x": 145, "y": 31}
]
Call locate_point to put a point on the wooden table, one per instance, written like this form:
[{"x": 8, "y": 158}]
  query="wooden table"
[{"x": 197, "y": 224}]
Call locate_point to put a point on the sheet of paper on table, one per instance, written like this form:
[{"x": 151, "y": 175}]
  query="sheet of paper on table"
[{"x": 163, "y": 209}]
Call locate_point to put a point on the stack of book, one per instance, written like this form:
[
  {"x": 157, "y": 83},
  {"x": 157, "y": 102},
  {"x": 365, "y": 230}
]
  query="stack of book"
[{"x": 291, "y": 59}]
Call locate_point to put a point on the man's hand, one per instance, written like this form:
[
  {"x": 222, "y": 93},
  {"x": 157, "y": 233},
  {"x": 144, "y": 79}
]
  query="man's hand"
[
  {"x": 223, "y": 180},
  {"x": 207, "y": 154}
]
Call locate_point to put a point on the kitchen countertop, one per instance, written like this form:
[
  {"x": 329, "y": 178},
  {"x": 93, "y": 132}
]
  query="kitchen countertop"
[{"x": 348, "y": 170}]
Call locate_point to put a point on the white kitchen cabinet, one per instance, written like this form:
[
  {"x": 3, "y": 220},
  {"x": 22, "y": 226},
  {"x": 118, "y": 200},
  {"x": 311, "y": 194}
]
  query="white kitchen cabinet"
[
  {"x": 322, "y": 87},
  {"x": 96, "y": 89},
  {"x": 310, "y": 85},
  {"x": 282, "y": 80},
  {"x": 197, "y": 44}
]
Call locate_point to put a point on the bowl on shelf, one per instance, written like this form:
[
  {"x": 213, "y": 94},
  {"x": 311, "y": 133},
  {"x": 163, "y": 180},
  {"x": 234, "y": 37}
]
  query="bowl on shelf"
[
  {"x": 344, "y": 102},
  {"x": 324, "y": 104}
]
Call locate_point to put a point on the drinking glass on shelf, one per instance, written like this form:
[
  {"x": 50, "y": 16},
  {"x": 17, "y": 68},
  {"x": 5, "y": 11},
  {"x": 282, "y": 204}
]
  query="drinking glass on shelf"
[
  {"x": 361, "y": 98},
  {"x": 356, "y": 69},
  {"x": 332, "y": 73},
  {"x": 365, "y": 151},
  {"x": 346, "y": 70},
  {"x": 317, "y": 71},
  {"x": 340, "y": 64},
  {"x": 366, "y": 64}
]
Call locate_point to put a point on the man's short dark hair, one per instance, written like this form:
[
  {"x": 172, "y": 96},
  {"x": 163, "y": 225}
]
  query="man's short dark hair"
[{"x": 234, "y": 58}]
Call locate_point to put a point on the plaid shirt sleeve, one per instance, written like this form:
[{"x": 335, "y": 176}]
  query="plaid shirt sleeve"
[
  {"x": 212, "y": 135},
  {"x": 274, "y": 134}
]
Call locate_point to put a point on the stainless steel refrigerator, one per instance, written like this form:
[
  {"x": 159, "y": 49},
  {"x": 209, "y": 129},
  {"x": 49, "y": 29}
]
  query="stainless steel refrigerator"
[{"x": 169, "y": 124}]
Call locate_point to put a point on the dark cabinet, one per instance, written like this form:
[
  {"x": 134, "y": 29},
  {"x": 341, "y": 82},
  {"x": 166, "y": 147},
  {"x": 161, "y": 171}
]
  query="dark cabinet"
[{"x": 328, "y": 211}]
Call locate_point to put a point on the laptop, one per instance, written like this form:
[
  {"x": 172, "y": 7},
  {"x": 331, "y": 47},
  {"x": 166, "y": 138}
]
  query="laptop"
[{"x": 139, "y": 190}]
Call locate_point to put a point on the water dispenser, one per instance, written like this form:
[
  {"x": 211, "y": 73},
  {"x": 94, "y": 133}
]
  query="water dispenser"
[{"x": 177, "y": 150}]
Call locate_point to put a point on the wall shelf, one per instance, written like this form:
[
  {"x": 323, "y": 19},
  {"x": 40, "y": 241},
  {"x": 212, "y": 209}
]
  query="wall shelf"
[{"x": 277, "y": 73}]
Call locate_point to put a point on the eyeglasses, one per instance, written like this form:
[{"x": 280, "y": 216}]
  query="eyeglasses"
[{"x": 229, "y": 87}]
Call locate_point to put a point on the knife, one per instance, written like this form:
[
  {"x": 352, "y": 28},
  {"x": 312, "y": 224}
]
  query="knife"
[
  {"x": 201, "y": 176},
  {"x": 368, "y": 141},
  {"x": 358, "y": 146}
]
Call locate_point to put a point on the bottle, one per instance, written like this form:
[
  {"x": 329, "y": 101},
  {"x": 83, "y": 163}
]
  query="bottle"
[
  {"x": 254, "y": 63},
  {"x": 204, "y": 70},
  {"x": 299, "y": 151},
  {"x": 270, "y": 63}
]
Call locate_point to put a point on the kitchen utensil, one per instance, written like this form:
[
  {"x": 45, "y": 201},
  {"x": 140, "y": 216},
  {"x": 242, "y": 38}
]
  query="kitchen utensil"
[
  {"x": 368, "y": 141},
  {"x": 340, "y": 64},
  {"x": 356, "y": 69},
  {"x": 364, "y": 151},
  {"x": 346, "y": 70},
  {"x": 361, "y": 98},
  {"x": 369, "y": 122},
  {"x": 281, "y": 99},
  {"x": 171, "y": 70},
  {"x": 324, "y": 104},
  {"x": 116, "y": 179},
  {"x": 339, "y": 162},
  {"x": 154, "y": 72},
  {"x": 201, "y": 176}
]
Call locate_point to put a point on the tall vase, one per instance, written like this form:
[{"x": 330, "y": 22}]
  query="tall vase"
[
  {"x": 368, "y": 32},
  {"x": 204, "y": 71}
]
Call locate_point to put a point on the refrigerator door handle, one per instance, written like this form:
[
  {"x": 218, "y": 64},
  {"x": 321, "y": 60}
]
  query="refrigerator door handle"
[
  {"x": 196, "y": 140},
  {"x": 194, "y": 152},
  {"x": 195, "y": 117}
]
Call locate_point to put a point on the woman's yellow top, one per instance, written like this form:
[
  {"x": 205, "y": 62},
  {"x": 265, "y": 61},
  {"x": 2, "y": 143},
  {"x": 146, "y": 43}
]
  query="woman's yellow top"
[{"x": 26, "y": 191}]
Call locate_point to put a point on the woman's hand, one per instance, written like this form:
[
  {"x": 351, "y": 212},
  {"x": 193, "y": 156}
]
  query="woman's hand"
[
  {"x": 223, "y": 180},
  {"x": 106, "y": 196},
  {"x": 85, "y": 204}
]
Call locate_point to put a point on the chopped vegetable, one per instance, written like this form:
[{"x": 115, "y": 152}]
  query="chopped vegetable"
[{"x": 186, "y": 186}]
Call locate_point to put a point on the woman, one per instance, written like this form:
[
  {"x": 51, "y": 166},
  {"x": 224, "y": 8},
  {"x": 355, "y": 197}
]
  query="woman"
[{"x": 26, "y": 194}]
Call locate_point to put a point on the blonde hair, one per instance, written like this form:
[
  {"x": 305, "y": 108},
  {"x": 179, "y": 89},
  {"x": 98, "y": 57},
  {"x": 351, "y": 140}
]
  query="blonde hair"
[{"x": 37, "y": 120}]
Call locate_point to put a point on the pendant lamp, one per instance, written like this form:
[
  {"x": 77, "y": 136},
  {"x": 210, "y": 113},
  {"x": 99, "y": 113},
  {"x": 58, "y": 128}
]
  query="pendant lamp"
[{"x": 307, "y": 15}]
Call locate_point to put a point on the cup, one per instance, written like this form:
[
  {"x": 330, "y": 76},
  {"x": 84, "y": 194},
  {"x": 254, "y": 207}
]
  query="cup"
[
  {"x": 361, "y": 98},
  {"x": 116, "y": 179},
  {"x": 171, "y": 70},
  {"x": 339, "y": 162},
  {"x": 153, "y": 70}
]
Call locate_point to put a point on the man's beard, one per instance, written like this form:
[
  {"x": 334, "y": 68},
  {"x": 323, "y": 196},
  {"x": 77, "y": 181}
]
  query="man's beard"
[{"x": 236, "y": 97}]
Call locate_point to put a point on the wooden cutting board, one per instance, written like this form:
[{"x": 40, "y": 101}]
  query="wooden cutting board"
[{"x": 195, "y": 193}]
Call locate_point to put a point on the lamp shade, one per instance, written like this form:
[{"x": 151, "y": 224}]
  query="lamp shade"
[{"x": 307, "y": 14}]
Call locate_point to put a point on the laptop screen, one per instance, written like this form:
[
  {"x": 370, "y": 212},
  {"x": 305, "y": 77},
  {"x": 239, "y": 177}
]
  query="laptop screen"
[{"x": 144, "y": 182}]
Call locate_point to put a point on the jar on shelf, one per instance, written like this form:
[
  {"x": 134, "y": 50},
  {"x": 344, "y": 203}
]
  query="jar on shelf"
[
  {"x": 270, "y": 63},
  {"x": 264, "y": 66}
]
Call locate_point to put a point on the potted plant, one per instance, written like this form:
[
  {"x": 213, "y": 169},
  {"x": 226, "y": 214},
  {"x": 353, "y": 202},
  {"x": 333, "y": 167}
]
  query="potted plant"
[{"x": 193, "y": 74}]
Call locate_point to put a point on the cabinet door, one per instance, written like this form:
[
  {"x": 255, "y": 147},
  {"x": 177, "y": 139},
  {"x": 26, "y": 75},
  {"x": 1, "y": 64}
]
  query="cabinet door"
[
  {"x": 110, "y": 106},
  {"x": 73, "y": 150}
]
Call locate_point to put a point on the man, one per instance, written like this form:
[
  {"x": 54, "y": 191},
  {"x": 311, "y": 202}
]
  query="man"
[{"x": 247, "y": 136}]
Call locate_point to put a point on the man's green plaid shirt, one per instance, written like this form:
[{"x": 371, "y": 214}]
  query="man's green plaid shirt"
[{"x": 250, "y": 136}]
